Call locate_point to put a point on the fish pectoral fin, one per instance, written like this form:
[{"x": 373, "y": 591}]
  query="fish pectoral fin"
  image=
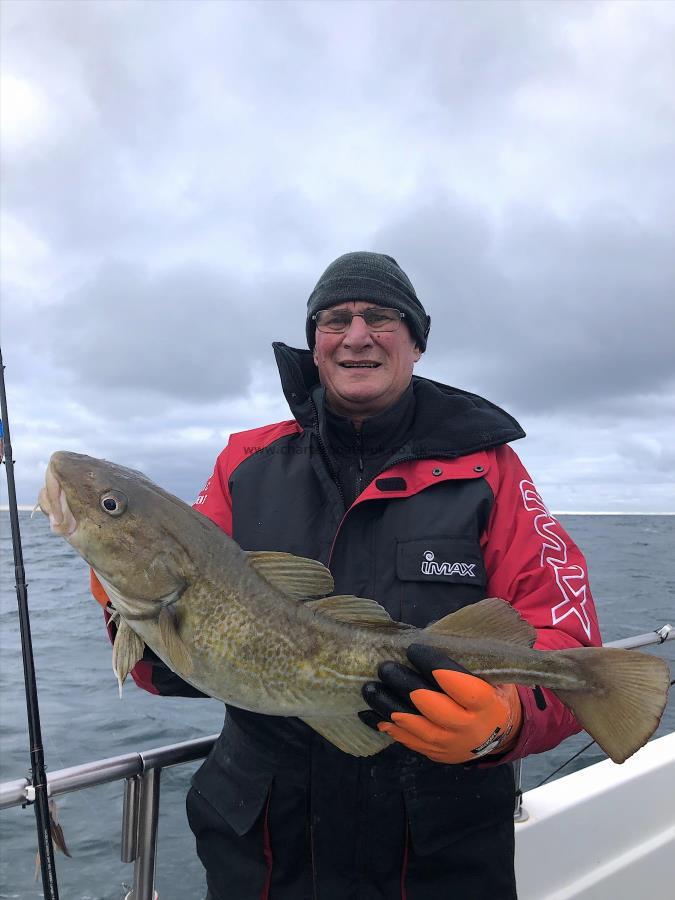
[
  {"x": 488, "y": 619},
  {"x": 355, "y": 611},
  {"x": 176, "y": 649},
  {"x": 626, "y": 698},
  {"x": 127, "y": 650},
  {"x": 295, "y": 576},
  {"x": 349, "y": 734}
]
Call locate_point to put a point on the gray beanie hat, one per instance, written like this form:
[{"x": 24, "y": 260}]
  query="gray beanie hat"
[{"x": 368, "y": 276}]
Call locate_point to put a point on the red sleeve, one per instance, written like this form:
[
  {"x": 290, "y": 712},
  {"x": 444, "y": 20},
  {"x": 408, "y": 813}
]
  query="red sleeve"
[
  {"x": 533, "y": 563},
  {"x": 214, "y": 499}
]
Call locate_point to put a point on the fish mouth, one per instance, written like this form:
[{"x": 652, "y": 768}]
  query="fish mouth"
[{"x": 53, "y": 503}]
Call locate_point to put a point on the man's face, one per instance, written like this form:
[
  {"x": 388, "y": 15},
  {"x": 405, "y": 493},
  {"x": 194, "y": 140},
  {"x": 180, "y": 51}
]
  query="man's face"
[{"x": 364, "y": 371}]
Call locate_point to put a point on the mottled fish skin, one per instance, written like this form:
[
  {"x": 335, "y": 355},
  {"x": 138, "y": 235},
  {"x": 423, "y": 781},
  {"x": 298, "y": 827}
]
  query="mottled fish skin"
[{"x": 201, "y": 603}]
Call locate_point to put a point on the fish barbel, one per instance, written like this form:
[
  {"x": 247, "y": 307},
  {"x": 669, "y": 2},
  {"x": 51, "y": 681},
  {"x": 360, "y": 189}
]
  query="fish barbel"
[{"x": 261, "y": 631}]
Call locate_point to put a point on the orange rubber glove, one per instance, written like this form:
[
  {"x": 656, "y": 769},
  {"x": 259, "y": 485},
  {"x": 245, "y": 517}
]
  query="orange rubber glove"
[{"x": 447, "y": 714}]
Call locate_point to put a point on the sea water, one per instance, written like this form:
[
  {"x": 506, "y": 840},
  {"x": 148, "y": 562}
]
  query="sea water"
[{"x": 630, "y": 565}]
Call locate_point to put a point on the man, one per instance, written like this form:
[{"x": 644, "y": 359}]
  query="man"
[{"x": 407, "y": 490}]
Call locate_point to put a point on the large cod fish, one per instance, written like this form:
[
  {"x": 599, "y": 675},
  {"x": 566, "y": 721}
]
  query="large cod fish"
[{"x": 258, "y": 630}]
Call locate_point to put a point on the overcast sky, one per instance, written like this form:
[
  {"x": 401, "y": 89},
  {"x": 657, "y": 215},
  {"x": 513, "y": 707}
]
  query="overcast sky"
[{"x": 176, "y": 176}]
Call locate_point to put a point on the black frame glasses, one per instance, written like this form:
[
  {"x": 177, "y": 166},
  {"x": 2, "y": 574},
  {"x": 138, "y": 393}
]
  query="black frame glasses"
[{"x": 342, "y": 323}]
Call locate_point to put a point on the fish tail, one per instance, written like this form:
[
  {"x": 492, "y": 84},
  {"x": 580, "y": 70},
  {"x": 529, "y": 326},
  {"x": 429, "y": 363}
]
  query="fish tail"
[{"x": 624, "y": 702}]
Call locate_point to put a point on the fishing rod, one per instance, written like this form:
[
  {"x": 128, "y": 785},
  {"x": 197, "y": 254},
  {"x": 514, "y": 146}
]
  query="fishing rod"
[{"x": 38, "y": 786}]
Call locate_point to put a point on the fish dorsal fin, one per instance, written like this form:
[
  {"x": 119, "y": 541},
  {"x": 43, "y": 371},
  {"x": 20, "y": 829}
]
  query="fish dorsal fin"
[
  {"x": 355, "y": 611},
  {"x": 492, "y": 619},
  {"x": 294, "y": 576}
]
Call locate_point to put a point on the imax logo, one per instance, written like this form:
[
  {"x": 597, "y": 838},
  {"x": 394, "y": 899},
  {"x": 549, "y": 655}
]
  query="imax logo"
[{"x": 431, "y": 567}]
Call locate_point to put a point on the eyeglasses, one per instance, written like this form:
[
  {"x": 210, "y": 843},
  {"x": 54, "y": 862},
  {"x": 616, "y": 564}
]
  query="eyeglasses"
[{"x": 377, "y": 318}]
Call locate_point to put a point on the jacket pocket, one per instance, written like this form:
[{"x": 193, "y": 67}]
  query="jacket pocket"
[
  {"x": 449, "y": 803},
  {"x": 453, "y": 560},
  {"x": 236, "y": 792}
]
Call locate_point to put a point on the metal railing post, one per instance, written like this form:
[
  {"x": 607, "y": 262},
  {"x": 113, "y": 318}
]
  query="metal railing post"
[
  {"x": 146, "y": 832},
  {"x": 132, "y": 800},
  {"x": 519, "y": 813}
]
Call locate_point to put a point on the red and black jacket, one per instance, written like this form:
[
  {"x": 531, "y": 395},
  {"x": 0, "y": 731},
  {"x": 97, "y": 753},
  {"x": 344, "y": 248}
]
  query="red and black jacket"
[{"x": 455, "y": 495}]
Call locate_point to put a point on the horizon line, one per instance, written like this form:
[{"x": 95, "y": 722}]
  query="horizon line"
[
  {"x": 608, "y": 512},
  {"x": 26, "y": 507}
]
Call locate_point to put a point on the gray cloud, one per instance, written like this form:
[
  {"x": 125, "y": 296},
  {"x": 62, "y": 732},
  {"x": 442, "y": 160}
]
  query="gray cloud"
[
  {"x": 190, "y": 333},
  {"x": 176, "y": 177},
  {"x": 565, "y": 314}
]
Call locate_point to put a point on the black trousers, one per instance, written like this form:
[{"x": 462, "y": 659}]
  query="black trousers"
[{"x": 362, "y": 841}]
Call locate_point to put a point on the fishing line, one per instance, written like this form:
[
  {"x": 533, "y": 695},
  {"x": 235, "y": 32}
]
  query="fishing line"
[
  {"x": 566, "y": 763},
  {"x": 37, "y": 792},
  {"x": 572, "y": 758}
]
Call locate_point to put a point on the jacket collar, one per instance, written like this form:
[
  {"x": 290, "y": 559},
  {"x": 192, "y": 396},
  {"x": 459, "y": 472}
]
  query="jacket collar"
[
  {"x": 448, "y": 421},
  {"x": 378, "y": 434}
]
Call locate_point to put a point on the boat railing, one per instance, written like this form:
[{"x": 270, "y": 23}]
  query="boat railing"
[{"x": 142, "y": 771}]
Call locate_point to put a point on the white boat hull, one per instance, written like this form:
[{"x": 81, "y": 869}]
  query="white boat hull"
[{"x": 606, "y": 832}]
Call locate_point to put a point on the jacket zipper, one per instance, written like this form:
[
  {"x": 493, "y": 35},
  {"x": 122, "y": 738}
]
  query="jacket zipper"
[
  {"x": 326, "y": 458},
  {"x": 338, "y": 529},
  {"x": 359, "y": 477},
  {"x": 448, "y": 454}
]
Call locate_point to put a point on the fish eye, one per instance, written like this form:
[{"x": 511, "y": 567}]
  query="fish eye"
[{"x": 113, "y": 502}]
